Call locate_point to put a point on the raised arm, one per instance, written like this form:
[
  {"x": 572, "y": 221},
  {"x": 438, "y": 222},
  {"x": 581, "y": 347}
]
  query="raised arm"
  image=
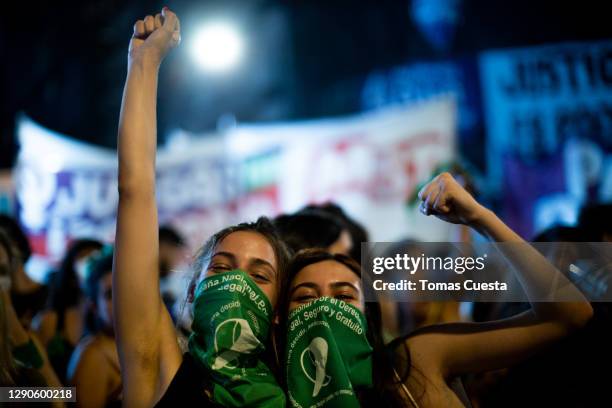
[
  {"x": 142, "y": 323},
  {"x": 472, "y": 347}
]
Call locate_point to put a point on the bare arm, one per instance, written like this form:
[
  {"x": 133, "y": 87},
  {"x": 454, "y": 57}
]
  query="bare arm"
[
  {"x": 461, "y": 348},
  {"x": 142, "y": 323}
]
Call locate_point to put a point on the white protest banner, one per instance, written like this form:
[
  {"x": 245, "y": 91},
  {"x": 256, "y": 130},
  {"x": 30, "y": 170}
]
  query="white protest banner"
[
  {"x": 67, "y": 189},
  {"x": 369, "y": 164}
]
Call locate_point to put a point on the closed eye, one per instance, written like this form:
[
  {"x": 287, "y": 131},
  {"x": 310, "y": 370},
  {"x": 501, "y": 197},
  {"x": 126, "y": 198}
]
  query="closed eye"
[
  {"x": 304, "y": 298},
  {"x": 260, "y": 277},
  {"x": 344, "y": 297},
  {"x": 218, "y": 268}
]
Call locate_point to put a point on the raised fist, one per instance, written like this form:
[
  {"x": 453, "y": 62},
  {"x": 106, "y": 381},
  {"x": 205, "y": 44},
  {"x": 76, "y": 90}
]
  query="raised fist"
[
  {"x": 155, "y": 36},
  {"x": 445, "y": 198}
]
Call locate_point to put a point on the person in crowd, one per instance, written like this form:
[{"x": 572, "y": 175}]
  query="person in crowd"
[
  {"x": 94, "y": 366},
  {"x": 23, "y": 361},
  {"x": 239, "y": 272},
  {"x": 60, "y": 326},
  {"x": 357, "y": 231},
  {"x": 314, "y": 228},
  {"x": 171, "y": 254},
  {"x": 171, "y": 250},
  {"x": 343, "y": 359},
  {"x": 28, "y": 296},
  {"x": 544, "y": 374}
]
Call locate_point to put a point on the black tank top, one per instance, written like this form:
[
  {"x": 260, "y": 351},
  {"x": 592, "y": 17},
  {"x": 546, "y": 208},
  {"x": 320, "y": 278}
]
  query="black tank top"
[{"x": 188, "y": 387}]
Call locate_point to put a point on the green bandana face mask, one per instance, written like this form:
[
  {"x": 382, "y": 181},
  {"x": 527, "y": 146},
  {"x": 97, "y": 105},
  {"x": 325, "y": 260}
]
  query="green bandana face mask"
[
  {"x": 232, "y": 318},
  {"x": 328, "y": 355}
]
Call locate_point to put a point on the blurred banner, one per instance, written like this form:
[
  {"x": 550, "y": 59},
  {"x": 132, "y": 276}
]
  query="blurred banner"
[
  {"x": 369, "y": 164},
  {"x": 549, "y": 130},
  {"x": 66, "y": 189},
  {"x": 421, "y": 81}
]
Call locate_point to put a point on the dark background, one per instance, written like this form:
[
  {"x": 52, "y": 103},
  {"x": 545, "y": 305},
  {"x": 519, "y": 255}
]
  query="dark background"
[{"x": 64, "y": 63}]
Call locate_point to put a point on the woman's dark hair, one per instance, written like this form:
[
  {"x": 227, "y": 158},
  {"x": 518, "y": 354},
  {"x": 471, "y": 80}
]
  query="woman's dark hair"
[
  {"x": 357, "y": 231},
  {"x": 12, "y": 228},
  {"x": 170, "y": 236},
  {"x": 311, "y": 228},
  {"x": 65, "y": 291},
  {"x": 383, "y": 357},
  {"x": 100, "y": 266}
]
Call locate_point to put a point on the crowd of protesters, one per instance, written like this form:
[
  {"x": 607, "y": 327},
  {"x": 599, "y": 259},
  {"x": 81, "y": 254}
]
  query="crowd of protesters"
[
  {"x": 61, "y": 332},
  {"x": 106, "y": 322}
]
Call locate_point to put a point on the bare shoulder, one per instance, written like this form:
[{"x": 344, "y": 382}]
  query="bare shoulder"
[
  {"x": 89, "y": 348},
  {"x": 425, "y": 348},
  {"x": 421, "y": 376},
  {"x": 86, "y": 354}
]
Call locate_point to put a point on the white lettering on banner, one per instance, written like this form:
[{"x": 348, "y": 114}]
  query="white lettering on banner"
[
  {"x": 35, "y": 190},
  {"x": 86, "y": 194}
]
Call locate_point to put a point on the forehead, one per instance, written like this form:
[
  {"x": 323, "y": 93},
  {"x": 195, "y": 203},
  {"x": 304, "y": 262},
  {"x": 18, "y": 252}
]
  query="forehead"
[
  {"x": 324, "y": 273},
  {"x": 246, "y": 245}
]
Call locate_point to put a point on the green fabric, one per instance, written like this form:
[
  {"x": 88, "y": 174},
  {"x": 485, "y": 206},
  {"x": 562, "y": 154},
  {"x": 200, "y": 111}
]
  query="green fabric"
[
  {"x": 27, "y": 355},
  {"x": 58, "y": 345},
  {"x": 232, "y": 319},
  {"x": 328, "y": 355}
]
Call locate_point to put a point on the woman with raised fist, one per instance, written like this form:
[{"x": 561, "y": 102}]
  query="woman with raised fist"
[
  {"x": 334, "y": 354},
  {"x": 238, "y": 272}
]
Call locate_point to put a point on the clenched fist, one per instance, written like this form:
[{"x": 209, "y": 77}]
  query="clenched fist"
[
  {"x": 154, "y": 36},
  {"x": 445, "y": 198}
]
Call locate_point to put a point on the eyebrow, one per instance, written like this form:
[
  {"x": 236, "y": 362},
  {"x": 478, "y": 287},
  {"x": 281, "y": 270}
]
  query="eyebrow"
[
  {"x": 229, "y": 255},
  {"x": 263, "y": 262},
  {"x": 309, "y": 285},
  {"x": 335, "y": 285},
  {"x": 253, "y": 261}
]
